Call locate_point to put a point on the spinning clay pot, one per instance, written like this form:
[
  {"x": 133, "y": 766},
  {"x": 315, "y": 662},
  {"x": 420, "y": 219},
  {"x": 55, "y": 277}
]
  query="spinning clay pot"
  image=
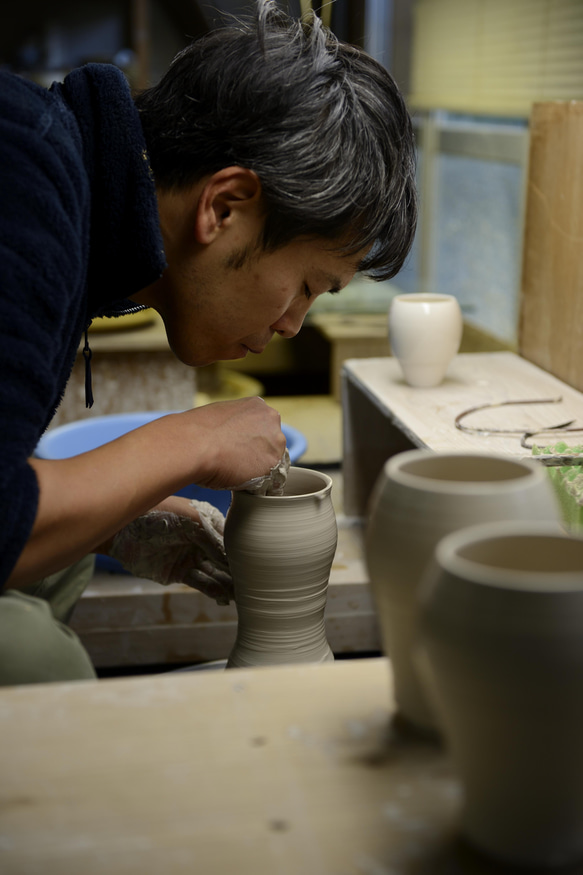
[{"x": 280, "y": 550}]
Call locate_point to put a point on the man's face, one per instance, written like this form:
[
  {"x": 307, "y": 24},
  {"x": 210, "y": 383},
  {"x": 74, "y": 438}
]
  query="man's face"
[{"x": 216, "y": 309}]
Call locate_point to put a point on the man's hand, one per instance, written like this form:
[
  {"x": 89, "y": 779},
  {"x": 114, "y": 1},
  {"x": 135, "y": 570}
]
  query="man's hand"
[
  {"x": 86, "y": 499},
  {"x": 234, "y": 442},
  {"x": 179, "y": 542}
]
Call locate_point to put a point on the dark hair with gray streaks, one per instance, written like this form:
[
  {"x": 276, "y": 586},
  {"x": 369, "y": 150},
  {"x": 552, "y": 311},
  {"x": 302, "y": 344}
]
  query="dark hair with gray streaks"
[{"x": 322, "y": 124}]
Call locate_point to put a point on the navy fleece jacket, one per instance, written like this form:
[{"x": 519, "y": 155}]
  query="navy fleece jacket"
[{"x": 79, "y": 232}]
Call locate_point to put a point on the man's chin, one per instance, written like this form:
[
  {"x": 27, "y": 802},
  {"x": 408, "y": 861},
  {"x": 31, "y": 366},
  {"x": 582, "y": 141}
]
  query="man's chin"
[
  {"x": 238, "y": 353},
  {"x": 211, "y": 359}
]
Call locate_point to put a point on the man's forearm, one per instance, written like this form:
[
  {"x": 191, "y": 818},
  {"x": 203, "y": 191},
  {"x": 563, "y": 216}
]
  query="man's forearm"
[{"x": 85, "y": 500}]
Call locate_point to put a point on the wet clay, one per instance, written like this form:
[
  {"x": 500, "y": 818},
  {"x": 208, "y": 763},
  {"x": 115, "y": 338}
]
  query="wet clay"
[
  {"x": 274, "y": 482},
  {"x": 280, "y": 550}
]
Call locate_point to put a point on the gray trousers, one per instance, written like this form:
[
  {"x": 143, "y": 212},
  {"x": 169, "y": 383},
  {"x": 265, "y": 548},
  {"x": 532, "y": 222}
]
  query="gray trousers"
[{"x": 36, "y": 645}]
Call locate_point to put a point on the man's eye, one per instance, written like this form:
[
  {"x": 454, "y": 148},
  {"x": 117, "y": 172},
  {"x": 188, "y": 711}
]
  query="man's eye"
[{"x": 307, "y": 291}]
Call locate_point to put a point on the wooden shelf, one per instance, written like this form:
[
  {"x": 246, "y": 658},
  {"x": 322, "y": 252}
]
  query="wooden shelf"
[
  {"x": 382, "y": 415},
  {"x": 365, "y": 335}
]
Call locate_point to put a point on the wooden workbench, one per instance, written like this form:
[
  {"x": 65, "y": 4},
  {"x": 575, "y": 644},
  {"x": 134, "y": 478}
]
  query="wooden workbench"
[
  {"x": 296, "y": 770},
  {"x": 383, "y": 415},
  {"x": 365, "y": 335},
  {"x": 277, "y": 771}
]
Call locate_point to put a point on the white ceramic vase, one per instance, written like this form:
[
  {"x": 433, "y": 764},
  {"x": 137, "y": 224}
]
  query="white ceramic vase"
[
  {"x": 418, "y": 498},
  {"x": 501, "y": 651},
  {"x": 280, "y": 550},
  {"x": 425, "y": 332}
]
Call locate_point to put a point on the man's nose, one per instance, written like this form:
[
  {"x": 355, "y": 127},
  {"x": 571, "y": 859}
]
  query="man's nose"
[{"x": 292, "y": 320}]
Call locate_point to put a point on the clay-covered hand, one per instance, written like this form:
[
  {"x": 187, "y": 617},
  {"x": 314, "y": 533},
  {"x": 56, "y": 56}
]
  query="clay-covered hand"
[
  {"x": 235, "y": 442},
  {"x": 174, "y": 548},
  {"x": 270, "y": 484}
]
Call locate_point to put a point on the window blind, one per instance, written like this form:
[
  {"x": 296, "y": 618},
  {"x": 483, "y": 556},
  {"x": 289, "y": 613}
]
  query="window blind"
[{"x": 496, "y": 57}]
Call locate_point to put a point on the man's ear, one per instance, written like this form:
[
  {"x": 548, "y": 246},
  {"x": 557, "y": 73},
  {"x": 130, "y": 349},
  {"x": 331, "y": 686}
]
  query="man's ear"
[{"x": 227, "y": 195}]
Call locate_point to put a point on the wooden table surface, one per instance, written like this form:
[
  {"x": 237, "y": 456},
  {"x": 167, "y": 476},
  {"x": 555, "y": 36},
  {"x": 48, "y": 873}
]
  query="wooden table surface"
[{"x": 298, "y": 770}]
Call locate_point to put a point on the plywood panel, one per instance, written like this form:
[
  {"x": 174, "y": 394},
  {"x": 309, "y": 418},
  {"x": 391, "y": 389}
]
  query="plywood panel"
[
  {"x": 291, "y": 771},
  {"x": 383, "y": 415},
  {"x": 551, "y": 317}
]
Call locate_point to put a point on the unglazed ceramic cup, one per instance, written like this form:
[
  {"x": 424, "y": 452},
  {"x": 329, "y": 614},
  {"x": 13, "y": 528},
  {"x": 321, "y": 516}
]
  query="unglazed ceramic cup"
[
  {"x": 501, "y": 651},
  {"x": 280, "y": 550},
  {"x": 418, "y": 498},
  {"x": 425, "y": 332}
]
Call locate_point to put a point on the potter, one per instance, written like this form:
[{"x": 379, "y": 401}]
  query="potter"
[
  {"x": 200, "y": 198},
  {"x": 280, "y": 550}
]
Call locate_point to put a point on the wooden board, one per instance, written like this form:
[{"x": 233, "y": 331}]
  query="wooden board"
[
  {"x": 382, "y": 415},
  {"x": 256, "y": 772},
  {"x": 296, "y": 770},
  {"x": 551, "y": 310}
]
